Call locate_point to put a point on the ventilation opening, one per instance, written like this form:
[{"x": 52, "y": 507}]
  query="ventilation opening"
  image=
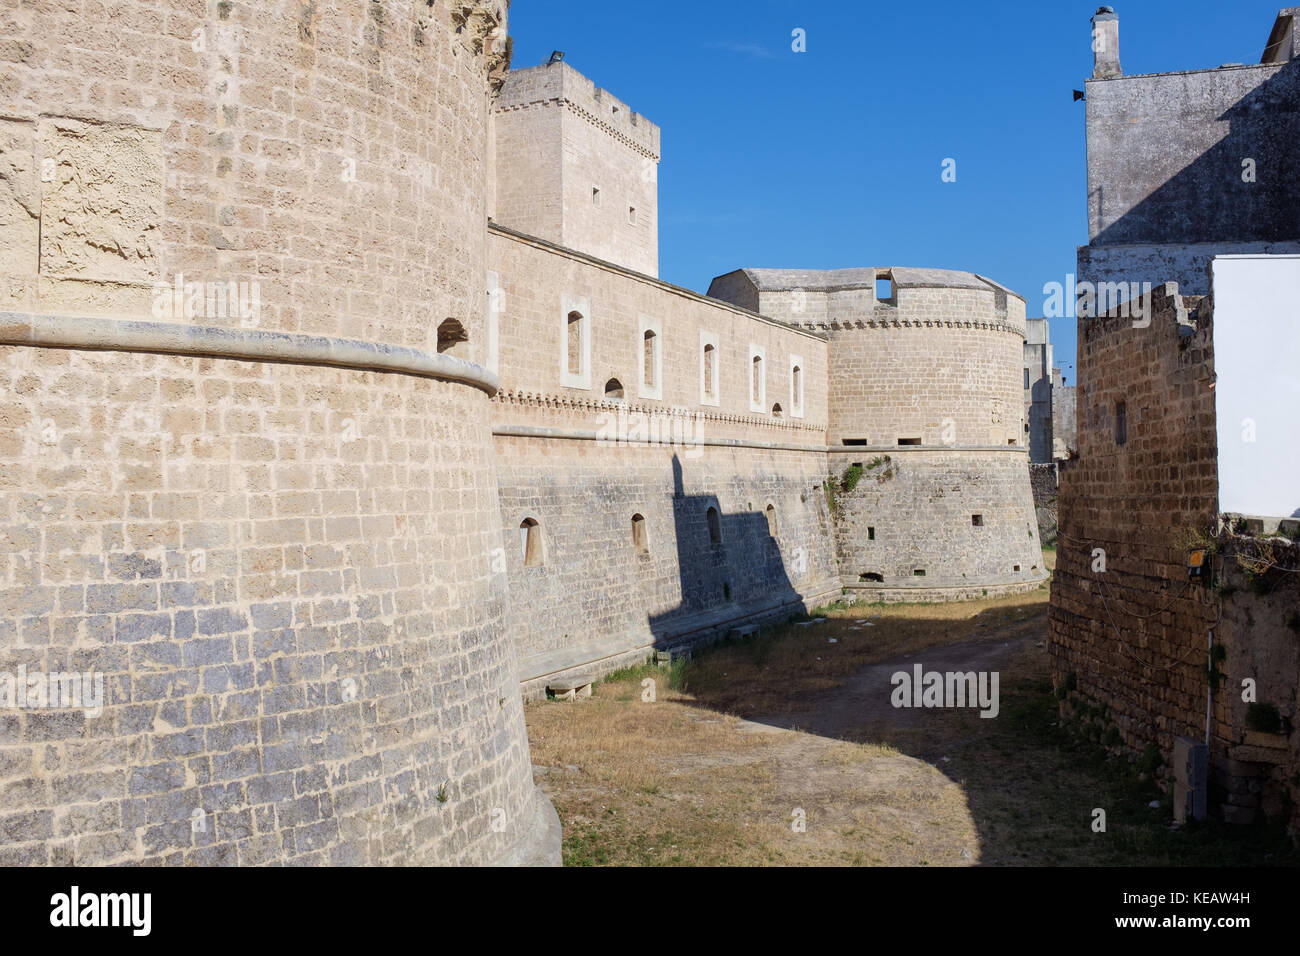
[
  {"x": 453, "y": 339},
  {"x": 639, "y": 539},
  {"x": 854, "y": 441},
  {"x": 872, "y": 577},
  {"x": 977, "y": 521},
  {"x": 771, "y": 520},
  {"x": 1015, "y": 567},
  {"x": 613, "y": 388},
  {"x": 575, "y": 343},
  {"x": 857, "y": 464},
  {"x": 715, "y": 526},
  {"x": 909, "y": 441},
  {"x": 530, "y": 539},
  {"x": 919, "y": 573},
  {"x": 1121, "y": 423},
  {"x": 776, "y": 410},
  {"x": 1011, "y": 441},
  {"x": 871, "y": 534}
]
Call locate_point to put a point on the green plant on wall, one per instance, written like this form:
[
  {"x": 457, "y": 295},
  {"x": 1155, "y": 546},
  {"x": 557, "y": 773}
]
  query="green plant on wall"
[{"x": 852, "y": 475}]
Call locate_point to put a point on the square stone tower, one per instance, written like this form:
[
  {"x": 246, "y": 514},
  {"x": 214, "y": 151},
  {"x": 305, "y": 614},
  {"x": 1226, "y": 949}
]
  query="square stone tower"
[{"x": 575, "y": 166}]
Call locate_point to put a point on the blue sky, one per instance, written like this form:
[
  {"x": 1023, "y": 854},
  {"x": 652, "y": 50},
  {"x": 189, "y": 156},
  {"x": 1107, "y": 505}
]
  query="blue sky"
[{"x": 832, "y": 157}]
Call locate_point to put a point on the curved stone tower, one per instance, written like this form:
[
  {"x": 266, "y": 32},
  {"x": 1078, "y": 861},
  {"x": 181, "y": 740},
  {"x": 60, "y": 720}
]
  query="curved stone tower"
[
  {"x": 925, "y": 397},
  {"x": 246, "y": 472}
]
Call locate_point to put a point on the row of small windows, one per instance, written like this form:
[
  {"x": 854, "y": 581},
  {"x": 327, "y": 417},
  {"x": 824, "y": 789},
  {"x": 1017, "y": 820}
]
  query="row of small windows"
[
  {"x": 576, "y": 367},
  {"x": 631, "y": 210},
  {"x": 533, "y": 551}
]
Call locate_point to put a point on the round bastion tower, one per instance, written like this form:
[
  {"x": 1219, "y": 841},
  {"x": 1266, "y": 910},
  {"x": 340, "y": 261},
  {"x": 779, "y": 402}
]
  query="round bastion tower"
[
  {"x": 925, "y": 425},
  {"x": 247, "y": 488}
]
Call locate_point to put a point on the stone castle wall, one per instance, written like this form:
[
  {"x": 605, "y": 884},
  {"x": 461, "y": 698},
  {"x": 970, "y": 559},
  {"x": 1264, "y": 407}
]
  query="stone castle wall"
[
  {"x": 925, "y": 394},
  {"x": 574, "y": 461},
  {"x": 270, "y": 529},
  {"x": 1133, "y": 633},
  {"x": 964, "y": 521}
]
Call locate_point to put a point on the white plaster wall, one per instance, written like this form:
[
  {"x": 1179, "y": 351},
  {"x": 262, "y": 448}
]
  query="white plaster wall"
[{"x": 1257, "y": 365}]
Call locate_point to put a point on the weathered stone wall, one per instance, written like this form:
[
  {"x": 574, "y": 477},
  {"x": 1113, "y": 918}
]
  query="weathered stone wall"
[
  {"x": 1188, "y": 165},
  {"x": 1043, "y": 482},
  {"x": 597, "y": 601},
  {"x": 1135, "y": 635},
  {"x": 541, "y": 284},
  {"x": 964, "y": 520},
  {"x": 576, "y": 166},
  {"x": 581, "y": 465},
  {"x": 936, "y": 360},
  {"x": 282, "y": 570}
]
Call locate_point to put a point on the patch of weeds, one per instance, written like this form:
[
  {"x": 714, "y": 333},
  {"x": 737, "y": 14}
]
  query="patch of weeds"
[{"x": 852, "y": 475}]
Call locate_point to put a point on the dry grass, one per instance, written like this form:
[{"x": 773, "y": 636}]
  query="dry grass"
[{"x": 713, "y": 771}]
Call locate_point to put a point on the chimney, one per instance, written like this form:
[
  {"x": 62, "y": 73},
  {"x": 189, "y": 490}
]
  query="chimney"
[{"x": 1105, "y": 44}]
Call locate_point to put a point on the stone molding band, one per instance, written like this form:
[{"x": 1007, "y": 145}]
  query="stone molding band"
[
  {"x": 574, "y": 434},
  {"x": 253, "y": 345}
]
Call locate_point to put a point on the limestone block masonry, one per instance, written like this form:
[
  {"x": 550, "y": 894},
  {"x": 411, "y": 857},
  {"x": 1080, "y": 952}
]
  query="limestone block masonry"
[
  {"x": 238, "y": 483},
  {"x": 925, "y": 404}
]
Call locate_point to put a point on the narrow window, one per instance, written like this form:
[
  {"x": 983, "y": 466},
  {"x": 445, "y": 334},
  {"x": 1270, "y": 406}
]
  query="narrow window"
[
  {"x": 776, "y": 410},
  {"x": 595, "y": 196},
  {"x": 715, "y": 526},
  {"x": 796, "y": 388},
  {"x": 575, "y": 343},
  {"x": 854, "y": 441},
  {"x": 613, "y": 389},
  {"x": 530, "y": 540},
  {"x": 756, "y": 380},
  {"x": 1026, "y": 378},
  {"x": 710, "y": 357},
  {"x": 884, "y": 287},
  {"x": 631, "y": 215},
  {"x": 871, "y": 534},
  {"x": 771, "y": 520},
  {"x": 453, "y": 339},
  {"x": 909, "y": 441},
  {"x": 1121, "y": 423},
  {"x": 919, "y": 573},
  {"x": 639, "y": 539},
  {"x": 651, "y": 344},
  {"x": 977, "y": 521}
]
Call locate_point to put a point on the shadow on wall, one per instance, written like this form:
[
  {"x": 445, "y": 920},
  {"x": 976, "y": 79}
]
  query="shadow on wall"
[
  {"x": 1208, "y": 200},
  {"x": 723, "y": 559}
]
